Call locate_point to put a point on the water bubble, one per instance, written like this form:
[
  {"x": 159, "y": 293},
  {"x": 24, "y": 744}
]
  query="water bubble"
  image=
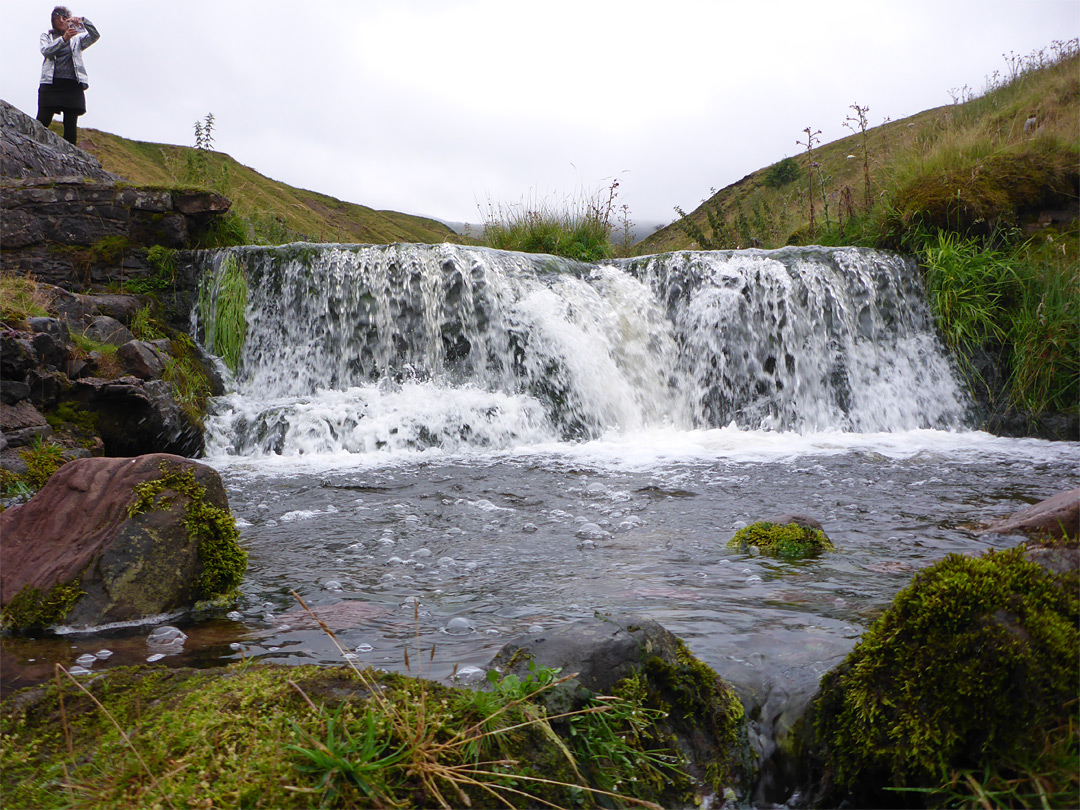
[
  {"x": 233, "y": 615},
  {"x": 422, "y": 552},
  {"x": 395, "y": 560},
  {"x": 748, "y": 570},
  {"x": 332, "y": 585},
  {"x": 273, "y": 649},
  {"x": 591, "y": 531},
  {"x": 468, "y": 675},
  {"x": 155, "y": 657},
  {"x": 364, "y": 648},
  {"x": 101, "y": 655},
  {"x": 753, "y": 579},
  {"x": 586, "y": 544},
  {"x": 410, "y": 602},
  {"x": 235, "y": 645},
  {"x": 491, "y": 631},
  {"x": 284, "y": 628},
  {"x": 78, "y": 671},
  {"x": 445, "y": 562},
  {"x": 536, "y": 628},
  {"x": 166, "y": 636},
  {"x": 87, "y": 660},
  {"x": 351, "y": 656},
  {"x": 459, "y": 626},
  {"x": 738, "y": 524},
  {"x": 529, "y": 528}
]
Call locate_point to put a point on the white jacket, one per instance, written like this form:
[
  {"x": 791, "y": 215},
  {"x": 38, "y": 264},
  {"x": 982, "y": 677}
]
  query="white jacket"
[{"x": 50, "y": 44}]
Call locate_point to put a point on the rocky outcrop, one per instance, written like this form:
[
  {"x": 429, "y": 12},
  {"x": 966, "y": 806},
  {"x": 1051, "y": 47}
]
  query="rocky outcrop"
[
  {"x": 27, "y": 149},
  {"x": 118, "y": 540},
  {"x": 704, "y": 717},
  {"x": 1058, "y": 516}
]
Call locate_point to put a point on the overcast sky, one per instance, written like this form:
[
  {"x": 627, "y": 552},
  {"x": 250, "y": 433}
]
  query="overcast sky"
[{"x": 437, "y": 107}]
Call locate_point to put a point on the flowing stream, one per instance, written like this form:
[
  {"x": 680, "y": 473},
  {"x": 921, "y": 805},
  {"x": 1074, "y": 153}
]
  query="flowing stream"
[{"x": 440, "y": 448}]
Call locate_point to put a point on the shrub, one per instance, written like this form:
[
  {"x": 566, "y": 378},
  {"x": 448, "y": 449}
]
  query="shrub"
[{"x": 782, "y": 173}]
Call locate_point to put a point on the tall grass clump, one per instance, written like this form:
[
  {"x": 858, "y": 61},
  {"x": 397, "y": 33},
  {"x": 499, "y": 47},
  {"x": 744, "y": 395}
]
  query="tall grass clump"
[
  {"x": 223, "y": 311},
  {"x": 574, "y": 229}
]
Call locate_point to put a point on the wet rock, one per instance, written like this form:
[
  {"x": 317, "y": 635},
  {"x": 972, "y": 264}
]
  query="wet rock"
[
  {"x": 118, "y": 539},
  {"x": 800, "y": 520},
  {"x": 136, "y": 417},
  {"x": 705, "y": 717},
  {"x": 1053, "y": 517}
]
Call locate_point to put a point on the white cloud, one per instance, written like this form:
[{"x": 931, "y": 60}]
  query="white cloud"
[{"x": 430, "y": 107}]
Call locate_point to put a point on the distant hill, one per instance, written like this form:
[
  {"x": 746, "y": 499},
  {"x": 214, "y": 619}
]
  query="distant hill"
[{"x": 274, "y": 211}]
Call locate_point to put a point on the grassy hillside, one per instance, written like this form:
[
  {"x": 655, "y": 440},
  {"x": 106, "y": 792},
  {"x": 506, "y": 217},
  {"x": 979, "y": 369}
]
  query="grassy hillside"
[
  {"x": 272, "y": 212},
  {"x": 951, "y": 167}
]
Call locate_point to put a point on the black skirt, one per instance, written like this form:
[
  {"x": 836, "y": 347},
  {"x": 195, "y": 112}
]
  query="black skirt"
[{"x": 62, "y": 94}]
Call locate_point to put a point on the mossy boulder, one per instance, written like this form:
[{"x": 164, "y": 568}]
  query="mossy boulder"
[
  {"x": 700, "y": 720},
  {"x": 789, "y": 540},
  {"x": 972, "y": 671},
  {"x": 116, "y": 540}
]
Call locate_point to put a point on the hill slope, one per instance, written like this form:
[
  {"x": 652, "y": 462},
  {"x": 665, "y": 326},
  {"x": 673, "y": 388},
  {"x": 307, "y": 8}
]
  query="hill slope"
[
  {"x": 274, "y": 211},
  {"x": 978, "y": 151}
]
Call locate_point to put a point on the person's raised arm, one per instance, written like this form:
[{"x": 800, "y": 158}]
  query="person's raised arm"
[{"x": 91, "y": 36}]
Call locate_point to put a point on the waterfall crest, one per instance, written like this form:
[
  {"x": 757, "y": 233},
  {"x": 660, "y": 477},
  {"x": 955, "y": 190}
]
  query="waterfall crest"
[{"x": 361, "y": 348}]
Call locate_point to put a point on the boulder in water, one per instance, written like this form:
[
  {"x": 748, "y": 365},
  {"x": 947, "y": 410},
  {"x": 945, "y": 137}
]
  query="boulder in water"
[
  {"x": 118, "y": 540},
  {"x": 609, "y": 655},
  {"x": 797, "y": 536},
  {"x": 1058, "y": 516},
  {"x": 972, "y": 669}
]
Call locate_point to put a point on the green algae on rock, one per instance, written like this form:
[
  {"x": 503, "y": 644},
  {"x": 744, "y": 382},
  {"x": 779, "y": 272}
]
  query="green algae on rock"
[
  {"x": 775, "y": 540},
  {"x": 972, "y": 668}
]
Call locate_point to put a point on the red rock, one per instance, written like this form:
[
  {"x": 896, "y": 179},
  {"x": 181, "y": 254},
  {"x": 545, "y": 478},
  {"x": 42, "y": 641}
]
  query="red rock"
[{"x": 1053, "y": 517}]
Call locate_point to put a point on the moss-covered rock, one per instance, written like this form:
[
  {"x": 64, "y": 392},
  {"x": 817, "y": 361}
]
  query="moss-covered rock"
[
  {"x": 973, "y": 669},
  {"x": 123, "y": 539},
  {"x": 781, "y": 540}
]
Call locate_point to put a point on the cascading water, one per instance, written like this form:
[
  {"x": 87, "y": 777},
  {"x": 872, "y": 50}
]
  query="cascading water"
[
  {"x": 449, "y": 447},
  {"x": 364, "y": 348}
]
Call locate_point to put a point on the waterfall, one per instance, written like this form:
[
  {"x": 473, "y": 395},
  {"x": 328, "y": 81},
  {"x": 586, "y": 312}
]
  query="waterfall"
[{"x": 361, "y": 348}]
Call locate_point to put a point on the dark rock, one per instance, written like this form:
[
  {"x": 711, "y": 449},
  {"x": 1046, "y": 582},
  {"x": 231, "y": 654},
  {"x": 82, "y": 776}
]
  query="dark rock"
[
  {"x": 24, "y": 437},
  {"x": 104, "y": 329},
  {"x": 17, "y": 355},
  {"x": 141, "y": 359},
  {"x": 79, "y": 533},
  {"x": 12, "y": 391},
  {"x": 200, "y": 203},
  {"x": 46, "y": 387},
  {"x": 20, "y": 229},
  {"x": 137, "y": 417},
  {"x": 1054, "y": 517},
  {"x": 30, "y": 150}
]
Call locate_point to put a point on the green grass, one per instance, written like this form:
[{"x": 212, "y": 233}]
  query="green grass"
[
  {"x": 267, "y": 211},
  {"x": 224, "y": 312},
  {"x": 573, "y": 228}
]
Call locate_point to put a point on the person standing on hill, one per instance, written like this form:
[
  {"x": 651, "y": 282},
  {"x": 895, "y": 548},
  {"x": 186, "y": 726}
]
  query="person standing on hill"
[{"x": 63, "y": 75}]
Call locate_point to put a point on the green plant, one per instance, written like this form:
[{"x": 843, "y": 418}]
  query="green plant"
[
  {"x": 782, "y": 173},
  {"x": 223, "y": 310},
  {"x": 42, "y": 460},
  {"x": 775, "y": 540},
  {"x": 143, "y": 326}
]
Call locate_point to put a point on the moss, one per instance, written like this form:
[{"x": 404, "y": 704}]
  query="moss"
[
  {"x": 237, "y": 737},
  {"x": 223, "y": 560},
  {"x": 71, "y": 413},
  {"x": 698, "y": 699},
  {"x": 968, "y": 668},
  {"x": 42, "y": 460},
  {"x": 791, "y": 540},
  {"x": 30, "y": 610}
]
